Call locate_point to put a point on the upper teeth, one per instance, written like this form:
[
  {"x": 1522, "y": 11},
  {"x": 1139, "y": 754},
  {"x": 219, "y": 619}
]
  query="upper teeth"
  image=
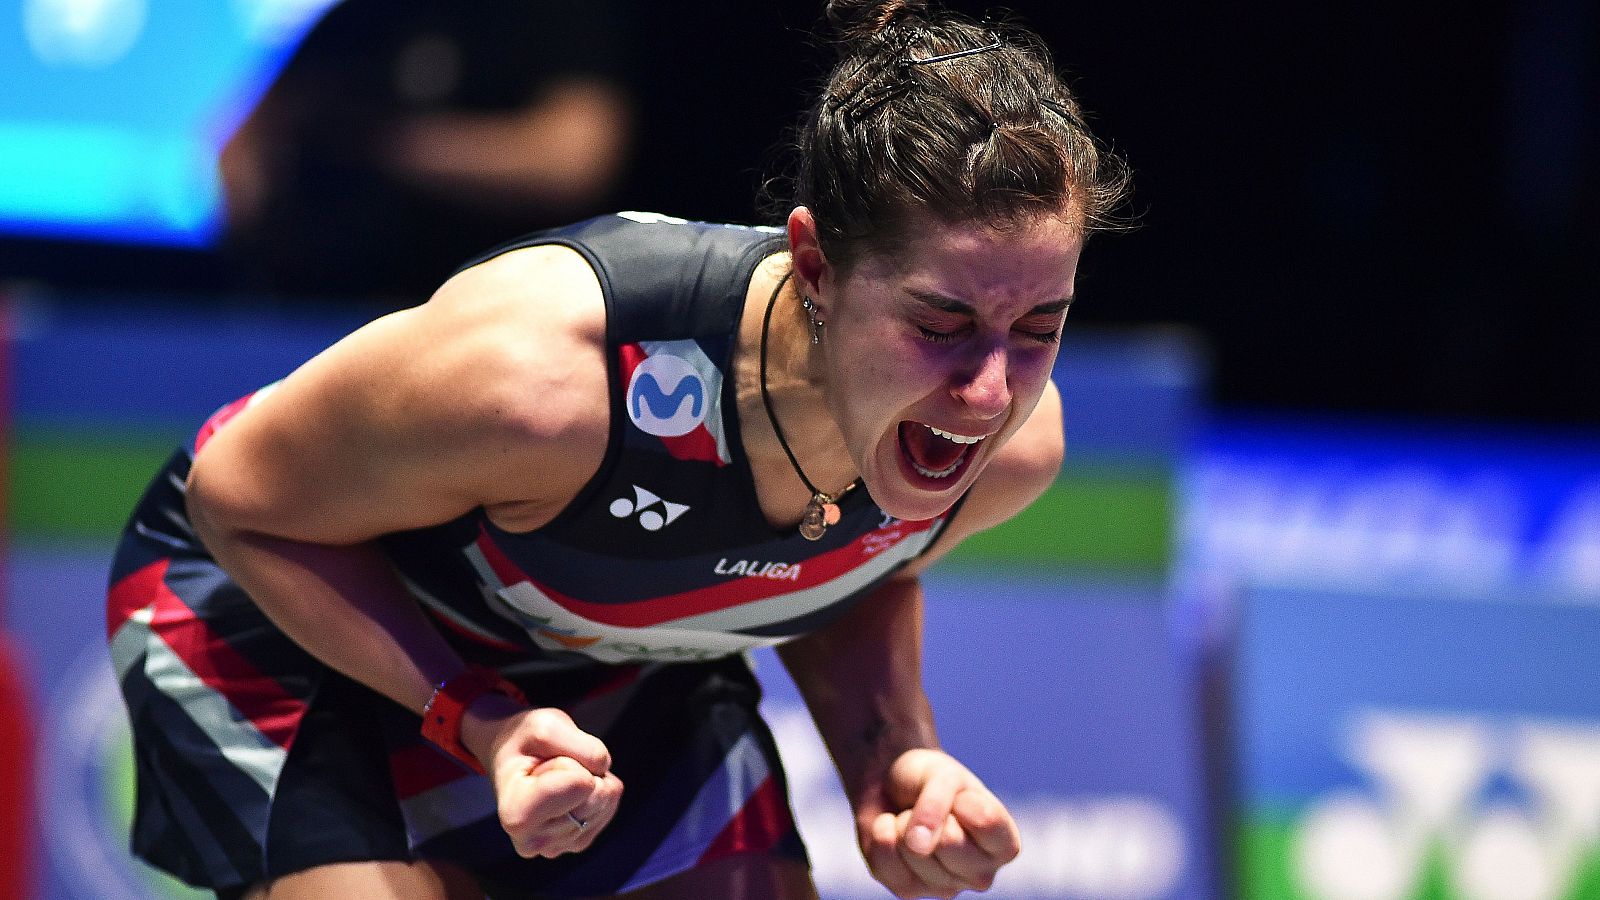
[{"x": 957, "y": 438}]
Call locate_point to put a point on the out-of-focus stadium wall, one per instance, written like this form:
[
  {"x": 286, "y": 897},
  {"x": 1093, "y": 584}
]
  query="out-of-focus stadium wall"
[
  {"x": 1404, "y": 624},
  {"x": 16, "y": 710}
]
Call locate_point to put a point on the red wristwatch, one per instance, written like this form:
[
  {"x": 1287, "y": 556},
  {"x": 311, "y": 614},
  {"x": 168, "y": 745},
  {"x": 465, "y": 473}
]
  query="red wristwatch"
[{"x": 441, "y": 718}]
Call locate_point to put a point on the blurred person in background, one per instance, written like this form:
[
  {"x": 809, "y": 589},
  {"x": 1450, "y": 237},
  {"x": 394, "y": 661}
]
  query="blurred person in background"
[
  {"x": 461, "y": 605},
  {"x": 405, "y": 137}
]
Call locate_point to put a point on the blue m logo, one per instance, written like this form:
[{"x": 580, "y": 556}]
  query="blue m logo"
[
  {"x": 666, "y": 396},
  {"x": 647, "y": 392}
]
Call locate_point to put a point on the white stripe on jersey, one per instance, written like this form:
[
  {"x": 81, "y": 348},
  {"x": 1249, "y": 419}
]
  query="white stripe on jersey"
[
  {"x": 239, "y": 740},
  {"x": 455, "y": 804},
  {"x": 689, "y": 639},
  {"x": 721, "y": 798}
]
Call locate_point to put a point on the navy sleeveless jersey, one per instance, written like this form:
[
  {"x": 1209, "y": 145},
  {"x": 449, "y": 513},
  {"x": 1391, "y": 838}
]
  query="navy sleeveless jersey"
[{"x": 665, "y": 555}]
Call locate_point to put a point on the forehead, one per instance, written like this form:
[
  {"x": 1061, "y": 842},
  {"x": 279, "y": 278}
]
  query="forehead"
[{"x": 1032, "y": 262}]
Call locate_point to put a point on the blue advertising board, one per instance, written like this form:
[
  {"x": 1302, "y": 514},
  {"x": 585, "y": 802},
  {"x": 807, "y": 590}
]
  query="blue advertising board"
[
  {"x": 1386, "y": 503},
  {"x": 1417, "y": 745},
  {"x": 1406, "y": 617}
]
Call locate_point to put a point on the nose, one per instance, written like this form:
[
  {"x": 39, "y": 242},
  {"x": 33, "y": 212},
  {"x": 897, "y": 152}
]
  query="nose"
[{"x": 984, "y": 386}]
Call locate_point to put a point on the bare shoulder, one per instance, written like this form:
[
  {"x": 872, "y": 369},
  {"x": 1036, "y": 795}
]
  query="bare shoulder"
[
  {"x": 492, "y": 394},
  {"x": 514, "y": 333},
  {"x": 531, "y": 362},
  {"x": 1023, "y": 469}
]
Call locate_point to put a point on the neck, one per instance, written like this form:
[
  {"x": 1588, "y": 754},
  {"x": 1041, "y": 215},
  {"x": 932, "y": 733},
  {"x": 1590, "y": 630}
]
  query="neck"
[{"x": 796, "y": 385}]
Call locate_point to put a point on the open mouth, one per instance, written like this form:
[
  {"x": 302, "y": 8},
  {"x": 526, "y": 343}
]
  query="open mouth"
[{"x": 933, "y": 453}]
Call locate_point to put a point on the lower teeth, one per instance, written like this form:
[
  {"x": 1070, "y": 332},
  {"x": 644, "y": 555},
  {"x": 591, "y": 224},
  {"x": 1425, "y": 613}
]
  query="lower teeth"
[{"x": 942, "y": 473}]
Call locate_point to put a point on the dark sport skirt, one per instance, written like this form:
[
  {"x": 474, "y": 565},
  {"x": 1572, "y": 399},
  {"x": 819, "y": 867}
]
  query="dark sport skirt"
[{"x": 255, "y": 761}]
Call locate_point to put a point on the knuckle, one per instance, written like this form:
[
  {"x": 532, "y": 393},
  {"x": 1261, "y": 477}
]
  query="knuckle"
[
  {"x": 542, "y": 726},
  {"x": 985, "y": 819}
]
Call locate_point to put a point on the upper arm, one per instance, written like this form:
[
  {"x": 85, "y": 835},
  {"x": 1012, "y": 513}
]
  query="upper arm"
[
  {"x": 492, "y": 394},
  {"x": 1017, "y": 475}
]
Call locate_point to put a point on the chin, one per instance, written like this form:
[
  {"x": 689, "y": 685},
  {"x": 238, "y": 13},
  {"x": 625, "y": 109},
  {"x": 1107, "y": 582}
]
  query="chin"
[{"x": 918, "y": 510}]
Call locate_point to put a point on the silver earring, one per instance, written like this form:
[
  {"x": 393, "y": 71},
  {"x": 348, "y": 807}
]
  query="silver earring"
[{"x": 816, "y": 323}]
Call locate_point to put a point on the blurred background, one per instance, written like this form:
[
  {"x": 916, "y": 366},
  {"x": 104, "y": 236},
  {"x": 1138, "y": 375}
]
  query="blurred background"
[{"x": 1312, "y": 610}]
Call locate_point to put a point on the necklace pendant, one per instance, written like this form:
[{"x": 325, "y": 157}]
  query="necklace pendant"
[{"x": 819, "y": 514}]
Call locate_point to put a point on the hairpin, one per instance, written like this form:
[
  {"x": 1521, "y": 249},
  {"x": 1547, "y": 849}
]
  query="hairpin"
[
  {"x": 994, "y": 44},
  {"x": 856, "y": 104}
]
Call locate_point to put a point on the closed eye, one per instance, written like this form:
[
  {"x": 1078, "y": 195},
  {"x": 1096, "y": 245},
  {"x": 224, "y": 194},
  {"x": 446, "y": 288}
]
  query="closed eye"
[
  {"x": 940, "y": 337},
  {"x": 1042, "y": 323}
]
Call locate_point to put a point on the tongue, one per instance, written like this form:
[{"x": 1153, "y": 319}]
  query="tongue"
[{"x": 927, "y": 449}]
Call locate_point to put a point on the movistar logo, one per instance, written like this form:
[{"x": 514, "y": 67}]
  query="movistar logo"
[
  {"x": 666, "y": 396},
  {"x": 662, "y": 405}
]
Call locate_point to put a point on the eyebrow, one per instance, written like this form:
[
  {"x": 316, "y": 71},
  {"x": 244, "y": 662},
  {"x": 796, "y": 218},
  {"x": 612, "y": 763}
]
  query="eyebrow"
[{"x": 951, "y": 304}]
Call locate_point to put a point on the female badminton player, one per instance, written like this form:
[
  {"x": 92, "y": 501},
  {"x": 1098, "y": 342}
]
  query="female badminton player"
[{"x": 460, "y": 606}]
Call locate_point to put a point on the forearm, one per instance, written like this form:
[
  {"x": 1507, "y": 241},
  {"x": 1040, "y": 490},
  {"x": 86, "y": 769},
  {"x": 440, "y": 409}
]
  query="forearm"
[
  {"x": 861, "y": 677},
  {"x": 345, "y": 606}
]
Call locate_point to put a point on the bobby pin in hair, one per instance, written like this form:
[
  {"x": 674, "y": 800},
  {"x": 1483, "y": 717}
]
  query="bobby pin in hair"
[
  {"x": 994, "y": 44},
  {"x": 856, "y": 104}
]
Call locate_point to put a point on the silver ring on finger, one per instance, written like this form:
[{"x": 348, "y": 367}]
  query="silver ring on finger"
[{"x": 577, "y": 821}]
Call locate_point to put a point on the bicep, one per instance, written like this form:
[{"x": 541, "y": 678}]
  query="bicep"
[{"x": 413, "y": 420}]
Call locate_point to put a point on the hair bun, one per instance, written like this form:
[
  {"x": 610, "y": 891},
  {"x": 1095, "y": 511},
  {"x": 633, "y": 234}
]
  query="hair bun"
[{"x": 856, "y": 20}]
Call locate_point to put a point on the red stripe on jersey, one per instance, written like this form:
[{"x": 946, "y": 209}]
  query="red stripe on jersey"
[
  {"x": 816, "y": 571},
  {"x": 501, "y": 565},
  {"x": 134, "y": 592},
  {"x": 630, "y": 355},
  {"x": 759, "y": 825},
  {"x": 698, "y": 445},
  {"x": 422, "y": 767},
  {"x": 271, "y": 709}
]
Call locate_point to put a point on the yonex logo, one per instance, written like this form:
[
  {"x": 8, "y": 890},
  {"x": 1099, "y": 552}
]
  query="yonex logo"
[
  {"x": 666, "y": 396},
  {"x": 1502, "y": 809},
  {"x": 654, "y": 512}
]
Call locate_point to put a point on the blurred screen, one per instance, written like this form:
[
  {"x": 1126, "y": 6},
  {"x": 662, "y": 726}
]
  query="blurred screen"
[{"x": 113, "y": 112}]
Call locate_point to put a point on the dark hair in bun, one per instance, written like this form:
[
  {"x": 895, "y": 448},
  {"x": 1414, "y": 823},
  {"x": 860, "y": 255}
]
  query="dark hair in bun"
[
  {"x": 930, "y": 112},
  {"x": 855, "y": 20}
]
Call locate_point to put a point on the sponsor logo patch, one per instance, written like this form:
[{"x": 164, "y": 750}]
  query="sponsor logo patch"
[
  {"x": 755, "y": 568},
  {"x": 666, "y": 396},
  {"x": 654, "y": 512}
]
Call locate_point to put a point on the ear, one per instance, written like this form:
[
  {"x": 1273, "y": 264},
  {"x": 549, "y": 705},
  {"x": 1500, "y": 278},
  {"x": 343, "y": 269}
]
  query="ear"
[{"x": 813, "y": 273}]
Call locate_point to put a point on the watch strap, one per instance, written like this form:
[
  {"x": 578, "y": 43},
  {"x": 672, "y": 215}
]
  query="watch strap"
[{"x": 441, "y": 717}]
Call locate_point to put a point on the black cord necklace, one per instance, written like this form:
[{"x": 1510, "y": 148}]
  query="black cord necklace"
[{"x": 823, "y": 509}]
